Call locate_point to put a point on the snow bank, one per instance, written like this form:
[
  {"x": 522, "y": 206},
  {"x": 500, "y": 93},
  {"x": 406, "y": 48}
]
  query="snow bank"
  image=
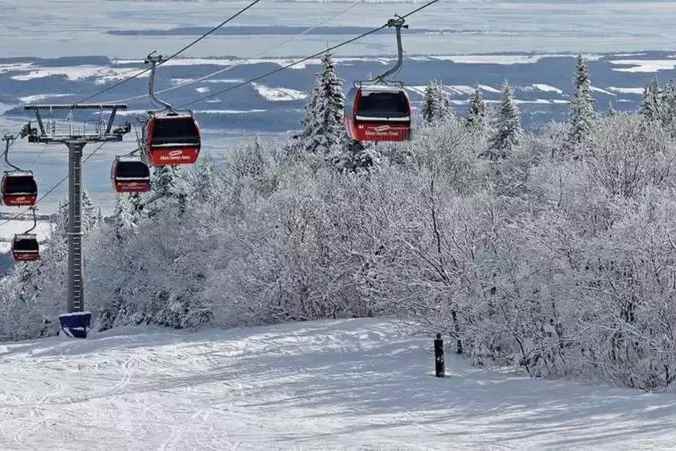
[
  {"x": 507, "y": 59},
  {"x": 103, "y": 74},
  {"x": 602, "y": 91},
  {"x": 644, "y": 66},
  {"x": 635, "y": 91},
  {"x": 490, "y": 89},
  {"x": 547, "y": 88},
  {"x": 14, "y": 67},
  {"x": 279, "y": 94},
  {"x": 41, "y": 97}
]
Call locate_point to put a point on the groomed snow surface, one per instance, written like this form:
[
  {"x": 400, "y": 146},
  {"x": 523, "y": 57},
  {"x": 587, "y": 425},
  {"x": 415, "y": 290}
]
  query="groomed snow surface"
[{"x": 359, "y": 384}]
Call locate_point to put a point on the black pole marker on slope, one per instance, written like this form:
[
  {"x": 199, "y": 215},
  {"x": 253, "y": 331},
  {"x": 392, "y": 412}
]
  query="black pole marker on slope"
[{"x": 439, "y": 363}]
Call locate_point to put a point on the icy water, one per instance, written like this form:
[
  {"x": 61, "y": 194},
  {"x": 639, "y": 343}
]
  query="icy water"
[{"x": 81, "y": 27}]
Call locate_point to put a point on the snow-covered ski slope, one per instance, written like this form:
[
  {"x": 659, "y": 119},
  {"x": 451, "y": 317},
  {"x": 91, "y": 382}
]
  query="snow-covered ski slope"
[{"x": 361, "y": 384}]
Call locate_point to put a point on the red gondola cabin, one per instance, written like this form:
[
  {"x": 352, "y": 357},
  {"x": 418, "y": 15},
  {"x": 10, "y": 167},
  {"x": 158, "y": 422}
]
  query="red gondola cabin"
[
  {"x": 172, "y": 139},
  {"x": 25, "y": 248},
  {"x": 130, "y": 175},
  {"x": 378, "y": 113},
  {"x": 19, "y": 189}
]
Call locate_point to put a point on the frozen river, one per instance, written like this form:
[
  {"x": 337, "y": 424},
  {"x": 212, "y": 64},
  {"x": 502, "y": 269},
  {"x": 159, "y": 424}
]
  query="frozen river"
[{"x": 49, "y": 28}]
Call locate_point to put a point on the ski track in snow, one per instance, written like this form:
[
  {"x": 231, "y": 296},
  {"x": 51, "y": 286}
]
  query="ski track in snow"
[{"x": 354, "y": 384}]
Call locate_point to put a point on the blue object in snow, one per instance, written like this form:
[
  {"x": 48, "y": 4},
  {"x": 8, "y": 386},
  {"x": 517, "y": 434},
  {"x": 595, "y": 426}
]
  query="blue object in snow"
[{"x": 76, "y": 324}]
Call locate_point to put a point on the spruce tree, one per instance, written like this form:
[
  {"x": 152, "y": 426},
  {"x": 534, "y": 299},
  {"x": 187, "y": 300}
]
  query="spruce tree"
[
  {"x": 354, "y": 156},
  {"x": 582, "y": 106},
  {"x": 667, "y": 104},
  {"x": 650, "y": 104},
  {"x": 89, "y": 213},
  {"x": 163, "y": 180},
  {"x": 428, "y": 105},
  {"x": 128, "y": 213},
  {"x": 507, "y": 128},
  {"x": 323, "y": 125},
  {"x": 436, "y": 107},
  {"x": 476, "y": 113}
]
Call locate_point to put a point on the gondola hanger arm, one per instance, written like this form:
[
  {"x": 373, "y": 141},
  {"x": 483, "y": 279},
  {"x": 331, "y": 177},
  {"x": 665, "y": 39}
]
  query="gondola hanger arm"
[
  {"x": 9, "y": 140},
  {"x": 35, "y": 220},
  {"x": 155, "y": 60},
  {"x": 397, "y": 22}
]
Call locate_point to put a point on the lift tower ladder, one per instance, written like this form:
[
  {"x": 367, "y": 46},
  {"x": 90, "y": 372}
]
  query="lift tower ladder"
[{"x": 76, "y": 321}]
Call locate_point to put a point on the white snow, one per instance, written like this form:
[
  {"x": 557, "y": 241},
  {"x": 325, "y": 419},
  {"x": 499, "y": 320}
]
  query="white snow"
[
  {"x": 636, "y": 91},
  {"x": 602, "y": 91},
  {"x": 532, "y": 102},
  {"x": 459, "y": 90},
  {"x": 14, "y": 67},
  {"x": 182, "y": 81},
  {"x": 278, "y": 94},
  {"x": 451, "y": 90},
  {"x": 489, "y": 89},
  {"x": 355, "y": 384},
  {"x": 101, "y": 73},
  {"x": 491, "y": 59},
  {"x": 644, "y": 66},
  {"x": 40, "y": 97},
  {"x": 203, "y": 89},
  {"x": 547, "y": 88}
]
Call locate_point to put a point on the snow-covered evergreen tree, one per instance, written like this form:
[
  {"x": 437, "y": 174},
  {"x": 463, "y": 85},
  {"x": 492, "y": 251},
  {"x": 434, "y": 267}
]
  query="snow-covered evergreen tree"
[
  {"x": 323, "y": 124},
  {"x": 650, "y": 103},
  {"x": 128, "y": 213},
  {"x": 476, "y": 113},
  {"x": 436, "y": 107},
  {"x": 355, "y": 155},
  {"x": 89, "y": 213},
  {"x": 169, "y": 189},
  {"x": 582, "y": 106},
  {"x": 507, "y": 128},
  {"x": 668, "y": 104},
  {"x": 162, "y": 180}
]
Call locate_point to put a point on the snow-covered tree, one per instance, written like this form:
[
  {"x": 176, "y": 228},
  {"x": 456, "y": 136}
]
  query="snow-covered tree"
[
  {"x": 507, "y": 128},
  {"x": 436, "y": 107},
  {"x": 168, "y": 189},
  {"x": 89, "y": 213},
  {"x": 650, "y": 102},
  {"x": 355, "y": 155},
  {"x": 668, "y": 106},
  {"x": 476, "y": 113},
  {"x": 323, "y": 124},
  {"x": 128, "y": 213},
  {"x": 163, "y": 179},
  {"x": 581, "y": 106}
]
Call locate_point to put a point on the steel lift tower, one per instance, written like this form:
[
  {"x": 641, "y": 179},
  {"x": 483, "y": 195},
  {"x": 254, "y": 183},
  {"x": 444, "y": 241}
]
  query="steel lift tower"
[{"x": 76, "y": 321}]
